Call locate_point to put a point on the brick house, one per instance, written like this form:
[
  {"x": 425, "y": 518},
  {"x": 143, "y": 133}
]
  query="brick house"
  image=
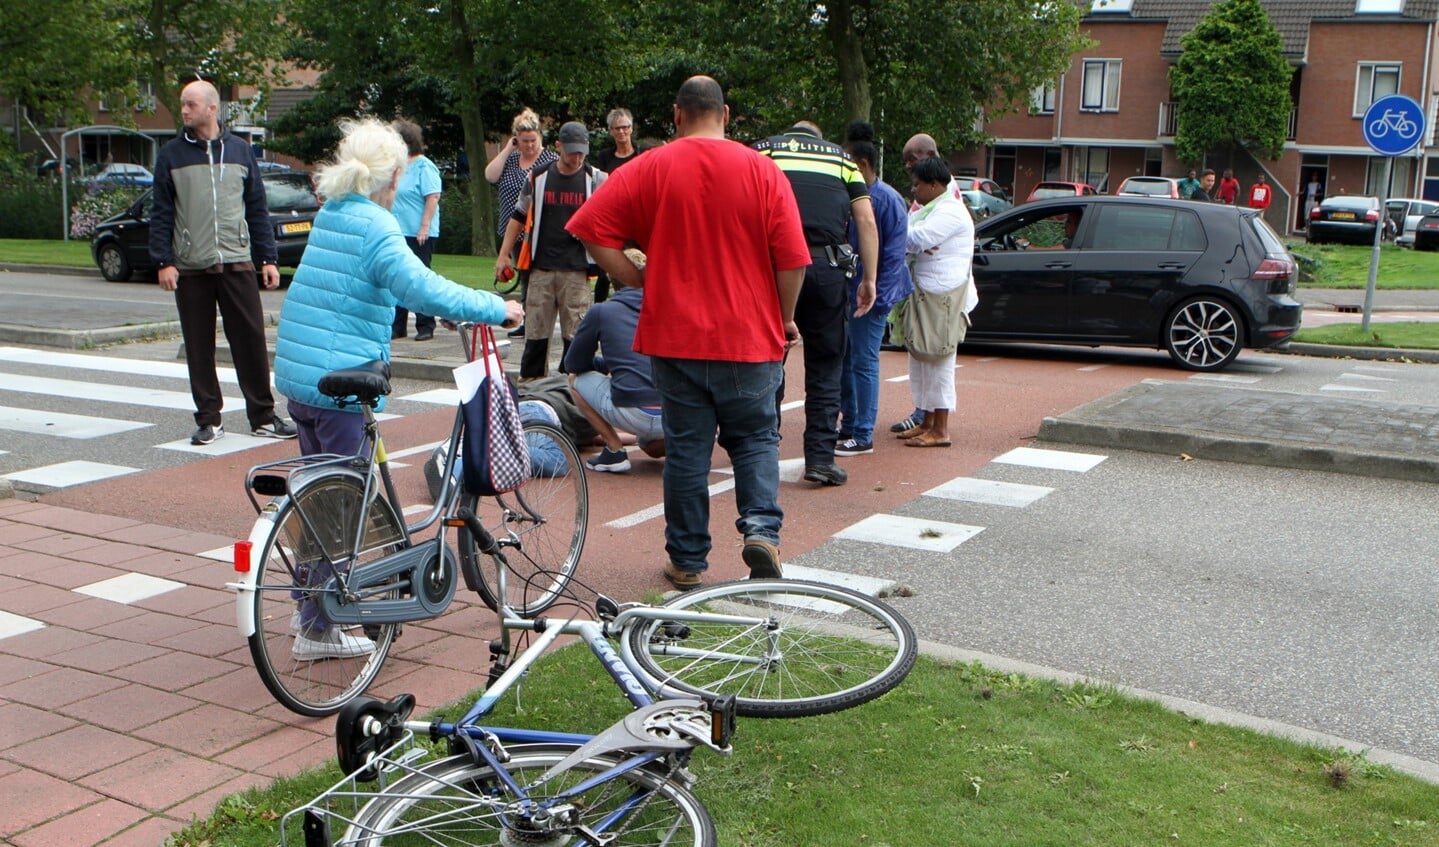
[{"x": 1111, "y": 115}]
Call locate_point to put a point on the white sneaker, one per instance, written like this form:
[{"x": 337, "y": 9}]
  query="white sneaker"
[
  {"x": 333, "y": 643},
  {"x": 295, "y": 625}
]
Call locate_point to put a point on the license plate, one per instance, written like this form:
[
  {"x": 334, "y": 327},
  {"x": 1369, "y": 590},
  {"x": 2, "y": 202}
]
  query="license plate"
[
  {"x": 1338, "y": 216},
  {"x": 304, "y": 226}
]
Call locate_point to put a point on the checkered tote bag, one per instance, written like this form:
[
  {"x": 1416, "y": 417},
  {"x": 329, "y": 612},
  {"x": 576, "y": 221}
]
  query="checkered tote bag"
[{"x": 495, "y": 455}]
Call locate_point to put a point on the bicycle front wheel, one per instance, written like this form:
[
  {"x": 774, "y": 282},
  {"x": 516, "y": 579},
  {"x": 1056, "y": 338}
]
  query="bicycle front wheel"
[
  {"x": 455, "y": 801},
  {"x": 542, "y": 525},
  {"x": 823, "y": 649},
  {"x": 311, "y": 666}
]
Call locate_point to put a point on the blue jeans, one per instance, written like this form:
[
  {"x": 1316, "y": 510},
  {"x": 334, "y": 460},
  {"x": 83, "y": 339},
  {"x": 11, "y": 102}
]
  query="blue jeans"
[
  {"x": 859, "y": 375},
  {"x": 699, "y": 397}
]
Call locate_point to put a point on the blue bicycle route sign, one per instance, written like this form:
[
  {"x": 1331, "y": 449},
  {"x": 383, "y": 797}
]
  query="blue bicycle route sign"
[{"x": 1393, "y": 125}]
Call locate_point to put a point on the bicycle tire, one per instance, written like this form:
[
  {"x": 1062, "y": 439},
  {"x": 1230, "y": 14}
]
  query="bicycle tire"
[
  {"x": 331, "y": 508},
  {"x": 543, "y": 522},
  {"x": 837, "y": 648},
  {"x": 453, "y": 801}
]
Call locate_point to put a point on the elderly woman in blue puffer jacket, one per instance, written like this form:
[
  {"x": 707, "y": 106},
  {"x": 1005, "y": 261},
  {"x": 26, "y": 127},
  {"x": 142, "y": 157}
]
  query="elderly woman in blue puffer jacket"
[{"x": 356, "y": 269}]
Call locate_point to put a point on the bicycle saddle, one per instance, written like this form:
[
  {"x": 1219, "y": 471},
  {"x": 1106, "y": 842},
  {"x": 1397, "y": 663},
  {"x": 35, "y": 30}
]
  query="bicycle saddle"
[{"x": 366, "y": 383}]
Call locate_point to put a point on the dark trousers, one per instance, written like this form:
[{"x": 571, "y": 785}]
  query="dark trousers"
[
  {"x": 423, "y": 323},
  {"x": 821, "y": 314},
  {"x": 237, "y": 292}
]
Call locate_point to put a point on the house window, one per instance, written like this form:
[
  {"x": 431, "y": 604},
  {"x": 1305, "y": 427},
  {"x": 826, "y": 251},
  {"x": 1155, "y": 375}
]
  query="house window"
[
  {"x": 1125, "y": 6},
  {"x": 1375, "y": 80},
  {"x": 1041, "y": 99},
  {"x": 1378, "y": 7},
  {"x": 1101, "y": 86},
  {"x": 146, "y": 100}
]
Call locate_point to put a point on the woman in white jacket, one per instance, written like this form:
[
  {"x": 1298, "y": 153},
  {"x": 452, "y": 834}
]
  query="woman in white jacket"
[{"x": 940, "y": 245}]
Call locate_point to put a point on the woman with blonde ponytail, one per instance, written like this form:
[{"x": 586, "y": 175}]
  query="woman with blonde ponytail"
[{"x": 356, "y": 269}]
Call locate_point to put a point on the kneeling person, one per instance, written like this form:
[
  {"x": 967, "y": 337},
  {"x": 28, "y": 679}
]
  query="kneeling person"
[{"x": 613, "y": 385}]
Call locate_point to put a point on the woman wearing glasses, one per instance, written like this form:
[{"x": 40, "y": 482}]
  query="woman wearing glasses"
[{"x": 622, "y": 129}]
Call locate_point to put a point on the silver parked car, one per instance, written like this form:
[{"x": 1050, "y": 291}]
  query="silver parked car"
[{"x": 1404, "y": 214}]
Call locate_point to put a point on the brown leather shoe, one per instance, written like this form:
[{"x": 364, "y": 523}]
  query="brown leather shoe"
[
  {"x": 762, "y": 557},
  {"x": 682, "y": 579},
  {"x": 913, "y": 432}
]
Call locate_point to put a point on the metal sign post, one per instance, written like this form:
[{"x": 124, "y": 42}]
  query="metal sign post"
[{"x": 1392, "y": 126}]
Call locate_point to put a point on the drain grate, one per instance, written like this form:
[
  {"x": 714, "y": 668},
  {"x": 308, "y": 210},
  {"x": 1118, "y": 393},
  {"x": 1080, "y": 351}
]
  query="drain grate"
[{"x": 1348, "y": 310}]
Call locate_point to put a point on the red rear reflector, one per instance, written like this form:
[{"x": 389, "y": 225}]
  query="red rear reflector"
[
  {"x": 242, "y": 556},
  {"x": 1371, "y": 215}
]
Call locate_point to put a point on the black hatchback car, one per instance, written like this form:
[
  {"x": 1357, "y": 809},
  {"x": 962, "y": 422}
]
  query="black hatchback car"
[
  {"x": 1198, "y": 280},
  {"x": 121, "y": 244}
]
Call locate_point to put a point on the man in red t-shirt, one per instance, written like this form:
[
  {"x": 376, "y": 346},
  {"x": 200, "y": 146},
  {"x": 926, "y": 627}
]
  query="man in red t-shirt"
[
  {"x": 726, "y": 259},
  {"x": 1260, "y": 193}
]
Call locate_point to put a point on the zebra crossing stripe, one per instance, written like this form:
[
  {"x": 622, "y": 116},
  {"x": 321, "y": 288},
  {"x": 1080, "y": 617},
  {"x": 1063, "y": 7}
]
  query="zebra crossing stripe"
[
  {"x": 66, "y": 474},
  {"x": 1054, "y": 460},
  {"x": 12, "y": 625},
  {"x": 129, "y": 588},
  {"x": 989, "y": 492},
  {"x": 61, "y": 425},
  {"x": 107, "y": 364},
  {"x": 914, "y": 533},
  {"x": 96, "y": 392}
]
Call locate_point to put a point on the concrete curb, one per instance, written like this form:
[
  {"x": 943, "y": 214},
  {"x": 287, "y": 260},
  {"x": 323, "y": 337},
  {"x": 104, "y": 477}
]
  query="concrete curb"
[
  {"x": 1370, "y": 354},
  {"x": 1224, "y": 448},
  {"x": 88, "y": 339},
  {"x": 68, "y": 270},
  {"x": 1427, "y": 771}
]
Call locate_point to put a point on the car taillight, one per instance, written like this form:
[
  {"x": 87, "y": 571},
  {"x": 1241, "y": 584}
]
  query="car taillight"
[
  {"x": 1314, "y": 214},
  {"x": 1371, "y": 215},
  {"x": 1278, "y": 273}
]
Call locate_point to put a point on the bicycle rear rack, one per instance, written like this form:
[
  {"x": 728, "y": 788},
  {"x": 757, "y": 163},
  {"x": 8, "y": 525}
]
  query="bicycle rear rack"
[
  {"x": 339, "y": 806},
  {"x": 276, "y": 479}
]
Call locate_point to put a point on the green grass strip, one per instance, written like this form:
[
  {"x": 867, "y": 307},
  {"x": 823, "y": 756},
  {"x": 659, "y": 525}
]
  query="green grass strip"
[
  {"x": 1409, "y": 335},
  {"x": 961, "y": 755}
]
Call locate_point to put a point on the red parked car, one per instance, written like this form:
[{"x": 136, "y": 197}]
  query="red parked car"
[{"x": 1053, "y": 188}]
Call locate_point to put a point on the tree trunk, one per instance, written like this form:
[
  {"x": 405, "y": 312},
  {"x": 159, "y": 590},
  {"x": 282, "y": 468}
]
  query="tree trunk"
[
  {"x": 482, "y": 223},
  {"x": 849, "y": 58}
]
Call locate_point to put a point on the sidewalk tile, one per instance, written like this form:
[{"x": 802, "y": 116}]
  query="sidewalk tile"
[
  {"x": 283, "y": 753},
  {"x": 58, "y": 687},
  {"x": 148, "y": 627},
  {"x": 32, "y": 798},
  {"x": 57, "y": 754},
  {"x": 84, "y": 828},
  {"x": 58, "y": 543},
  {"x": 37, "y": 598},
  {"x": 88, "y": 614},
  {"x": 15, "y": 667},
  {"x": 201, "y": 806},
  {"x": 74, "y": 520},
  {"x": 16, "y": 533},
  {"x": 161, "y": 563},
  {"x": 434, "y": 687},
  {"x": 147, "y": 833},
  {"x": 154, "y": 780},
  {"x": 146, "y": 534},
  {"x": 174, "y": 671},
  {"x": 106, "y": 656},
  {"x": 20, "y": 723},
  {"x": 190, "y": 601},
  {"x": 239, "y": 689},
  {"x": 22, "y": 563},
  {"x": 67, "y": 574},
  {"x": 111, "y": 553},
  {"x": 207, "y": 730},
  {"x": 12, "y": 508},
  {"x": 46, "y": 642},
  {"x": 216, "y": 640},
  {"x": 124, "y": 709}
]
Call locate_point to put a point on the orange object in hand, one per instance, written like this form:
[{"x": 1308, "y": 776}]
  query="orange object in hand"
[{"x": 507, "y": 273}]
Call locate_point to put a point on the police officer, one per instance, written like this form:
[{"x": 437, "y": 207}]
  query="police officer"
[{"x": 829, "y": 189}]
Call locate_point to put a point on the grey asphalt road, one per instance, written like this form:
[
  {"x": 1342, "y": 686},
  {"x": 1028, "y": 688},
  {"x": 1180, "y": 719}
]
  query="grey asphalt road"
[{"x": 1299, "y": 597}]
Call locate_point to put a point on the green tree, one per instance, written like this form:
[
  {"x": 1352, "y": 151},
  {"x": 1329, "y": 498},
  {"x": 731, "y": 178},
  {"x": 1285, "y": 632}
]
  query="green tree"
[
  {"x": 55, "y": 55},
  {"x": 462, "y": 67},
  {"x": 233, "y": 42},
  {"x": 1232, "y": 84}
]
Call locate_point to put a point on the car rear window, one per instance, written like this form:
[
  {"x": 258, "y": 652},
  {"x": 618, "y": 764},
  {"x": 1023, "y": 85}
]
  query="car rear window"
[
  {"x": 1272, "y": 244},
  {"x": 285, "y": 193},
  {"x": 1147, "y": 228},
  {"x": 1043, "y": 192},
  {"x": 1154, "y": 187},
  {"x": 1360, "y": 203}
]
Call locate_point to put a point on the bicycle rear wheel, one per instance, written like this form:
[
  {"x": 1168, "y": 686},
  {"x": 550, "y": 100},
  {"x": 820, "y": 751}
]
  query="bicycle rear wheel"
[
  {"x": 313, "y": 667},
  {"x": 543, "y": 523},
  {"x": 832, "y": 648},
  {"x": 455, "y": 801}
]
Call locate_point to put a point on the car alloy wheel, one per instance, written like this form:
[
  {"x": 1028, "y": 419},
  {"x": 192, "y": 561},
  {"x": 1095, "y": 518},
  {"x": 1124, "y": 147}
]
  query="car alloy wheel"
[
  {"x": 1204, "y": 334},
  {"x": 113, "y": 264}
]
